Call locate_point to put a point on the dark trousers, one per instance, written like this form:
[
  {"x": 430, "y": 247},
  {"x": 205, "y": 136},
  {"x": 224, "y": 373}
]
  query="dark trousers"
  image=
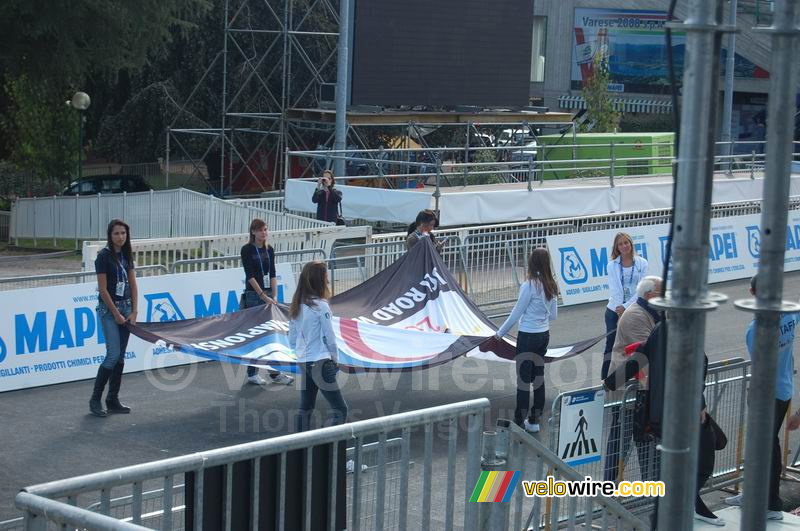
[
  {"x": 775, "y": 502},
  {"x": 531, "y": 349},
  {"x": 251, "y": 299},
  {"x": 320, "y": 376},
  {"x": 705, "y": 465},
  {"x": 611, "y": 318}
]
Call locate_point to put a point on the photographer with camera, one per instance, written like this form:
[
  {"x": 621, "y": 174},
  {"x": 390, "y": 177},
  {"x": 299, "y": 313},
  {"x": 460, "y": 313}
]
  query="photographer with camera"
[{"x": 328, "y": 199}]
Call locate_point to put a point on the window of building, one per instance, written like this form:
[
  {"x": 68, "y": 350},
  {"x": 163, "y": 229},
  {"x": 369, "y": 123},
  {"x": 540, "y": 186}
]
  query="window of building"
[{"x": 538, "y": 49}]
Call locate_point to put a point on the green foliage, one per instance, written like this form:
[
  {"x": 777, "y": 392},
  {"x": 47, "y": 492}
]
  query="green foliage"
[
  {"x": 45, "y": 140},
  {"x": 599, "y": 107},
  {"x": 645, "y": 123},
  {"x": 482, "y": 156},
  {"x": 72, "y": 41}
]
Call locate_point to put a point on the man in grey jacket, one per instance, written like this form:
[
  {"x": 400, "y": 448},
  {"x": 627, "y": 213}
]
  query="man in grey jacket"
[{"x": 634, "y": 326}]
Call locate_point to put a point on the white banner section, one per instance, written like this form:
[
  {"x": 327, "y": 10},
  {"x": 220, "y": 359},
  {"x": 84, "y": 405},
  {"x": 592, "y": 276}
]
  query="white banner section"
[
  {"x": 358, "y": 202},
  {"x": 580, "y": 432},
  {"x": 581, "y": 259},
  {"x": 52, "y": 335}
]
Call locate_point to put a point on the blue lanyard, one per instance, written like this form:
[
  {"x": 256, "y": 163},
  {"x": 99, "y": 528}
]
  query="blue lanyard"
[
  {"x": 120, "y": 267},
  {"x": 260, "y": 263}
]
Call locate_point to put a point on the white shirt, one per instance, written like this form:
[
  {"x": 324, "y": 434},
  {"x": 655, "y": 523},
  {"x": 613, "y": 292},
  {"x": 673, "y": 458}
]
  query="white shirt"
[
  {"x": 533, "y": 308},
  {"x": 621, "y": 279},
  {"x": 311, "y": 333}
]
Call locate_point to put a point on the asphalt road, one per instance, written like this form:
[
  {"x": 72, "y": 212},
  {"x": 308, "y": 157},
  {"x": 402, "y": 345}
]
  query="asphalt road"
[{"x": 47, "y": 434}]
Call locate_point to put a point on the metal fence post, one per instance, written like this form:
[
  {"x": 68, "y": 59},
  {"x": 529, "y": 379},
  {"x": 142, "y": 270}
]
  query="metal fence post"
[
  {"x": 35, "y": 217},
  {"x": 76, "y": 221},
  {"x": 689, "y": 300},
  {"x": 54, "y": 220},
  {"x": 531, "y": 170},
  {"x": 613, "y": 164},
  {"x": 437, "y": 193},
  {"x": 768, "y": 304},
  {"x": 493, "y": 516},
  {"x": 166, "y": 165}
]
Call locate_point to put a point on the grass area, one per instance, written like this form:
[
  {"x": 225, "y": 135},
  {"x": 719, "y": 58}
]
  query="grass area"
[{"x": 196, "y": 182}]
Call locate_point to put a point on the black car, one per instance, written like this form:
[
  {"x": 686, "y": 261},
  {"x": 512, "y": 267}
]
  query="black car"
[{"x": 107, "y": 184}]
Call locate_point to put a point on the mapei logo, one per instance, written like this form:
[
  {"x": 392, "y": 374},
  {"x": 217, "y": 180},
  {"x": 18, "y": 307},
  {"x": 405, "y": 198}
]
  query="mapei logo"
[
  {"x": 2, "y": 350},
  {"x": 754, "y": 240},
  {"x": 161, "y": 307},
  {"x": 573, "y": 270}
]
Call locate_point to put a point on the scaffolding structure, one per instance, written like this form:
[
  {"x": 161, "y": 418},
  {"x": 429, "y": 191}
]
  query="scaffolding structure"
[{"x": 276, "y": 77}]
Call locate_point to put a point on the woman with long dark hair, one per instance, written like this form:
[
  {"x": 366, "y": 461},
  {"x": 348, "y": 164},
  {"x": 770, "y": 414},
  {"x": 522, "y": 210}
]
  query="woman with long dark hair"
[
  {"x": 260, "y": 287},
  {"x": 625, "y": 270},
  {"x": 422, "y": 227},
  {"x": 312, "y": 338},
  {"x": 327, "y": 198},
  {"x": 116, "y": 306},
  {"x": 536, "y": 307}
]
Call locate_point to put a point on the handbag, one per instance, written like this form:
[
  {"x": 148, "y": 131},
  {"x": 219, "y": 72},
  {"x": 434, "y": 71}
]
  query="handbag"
[{"x": 720, "y": 439}]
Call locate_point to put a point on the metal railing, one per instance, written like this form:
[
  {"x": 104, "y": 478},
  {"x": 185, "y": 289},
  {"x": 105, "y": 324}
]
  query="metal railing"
[
  {"x": 296, "y": 258},
  {"x": 154, "y": 214},
  {"x": 514, "y": 449},
  {"x": 58, "y": 279},
  {"x": 531, "y": 163},
  {"x": 66, "y": 502}
]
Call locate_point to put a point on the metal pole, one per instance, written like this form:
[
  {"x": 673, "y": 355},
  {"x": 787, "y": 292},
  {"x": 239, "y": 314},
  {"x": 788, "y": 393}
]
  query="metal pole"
[
  {"x": 727, "y": 106},
  {"x": 768, "y": 305},
  {"x": 166, "y": 167},
  {"x": 493, "y": 516},
  {"x": 613, "y": 166},
  {"x": 80, "y": 146},
  {"x": 342, "y": 77},
  {"x": 687, "y": 303},
  {"x": 437, "y": 193},
  {"x": 224, "y": 103}
]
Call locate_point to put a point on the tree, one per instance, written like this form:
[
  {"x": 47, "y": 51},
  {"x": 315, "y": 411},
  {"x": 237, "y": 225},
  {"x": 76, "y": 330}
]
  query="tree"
[{"x": 600, "y": 114}]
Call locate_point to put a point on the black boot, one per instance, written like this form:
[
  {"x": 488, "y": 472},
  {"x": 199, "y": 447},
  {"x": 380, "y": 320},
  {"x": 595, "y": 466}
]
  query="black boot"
[
  {"x": 112, "y": 400},
  {"x": 95, "y": 405}
]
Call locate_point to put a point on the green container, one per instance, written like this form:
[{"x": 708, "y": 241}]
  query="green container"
[{"x": 632, "y": 154}]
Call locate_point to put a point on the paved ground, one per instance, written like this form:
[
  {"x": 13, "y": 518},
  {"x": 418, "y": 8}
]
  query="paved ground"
[{"x": 47, "y": 433}]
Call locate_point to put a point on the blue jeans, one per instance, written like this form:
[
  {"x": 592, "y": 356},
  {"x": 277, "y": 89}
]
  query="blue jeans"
[
  {"x": 251, "y": 299},
  {"x": 320, "y": 376},
  {"x": 116, "y": 335},
  {"x": 611, "y": 324},
  {"x": 531, "y": 349}
]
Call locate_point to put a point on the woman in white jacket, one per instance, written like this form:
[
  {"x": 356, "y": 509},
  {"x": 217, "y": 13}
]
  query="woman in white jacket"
[
  {"x": 312, "y": 338},
  {"x": 536, "y": 307},
  {"x": 625, "y": 271}
]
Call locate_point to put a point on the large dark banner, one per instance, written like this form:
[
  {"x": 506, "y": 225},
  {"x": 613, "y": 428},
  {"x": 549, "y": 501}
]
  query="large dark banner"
[
  {"x": 442, "y": 52},
  {"x": 411, "y": 315}
]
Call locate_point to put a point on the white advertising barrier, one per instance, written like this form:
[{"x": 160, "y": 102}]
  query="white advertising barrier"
[
  {"x": 580, "y": 432},
  {"x": 52, "y": 335},
  {"x": 358, "y": 202},
  {"x": 581, "y": 259}
]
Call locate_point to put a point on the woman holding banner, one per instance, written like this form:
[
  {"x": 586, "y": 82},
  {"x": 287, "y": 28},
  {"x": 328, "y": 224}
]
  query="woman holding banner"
[
  {"x": 536, "y": 307},
  {"x": 314, "y": 343},
  {"x": 116, "y": 306},
  {"x": 260, "y": 287},
  {"x": 625, "y": 271}
]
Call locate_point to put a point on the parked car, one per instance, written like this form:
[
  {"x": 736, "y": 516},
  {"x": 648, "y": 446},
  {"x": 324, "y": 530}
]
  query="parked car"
[
  {"x": 107, "y": 184},
  {"x": 521, "y": 159}
]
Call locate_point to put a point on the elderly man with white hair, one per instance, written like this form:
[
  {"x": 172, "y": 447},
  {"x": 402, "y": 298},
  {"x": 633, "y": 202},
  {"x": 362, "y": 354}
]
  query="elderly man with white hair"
[{"x": 634, "y": 326}]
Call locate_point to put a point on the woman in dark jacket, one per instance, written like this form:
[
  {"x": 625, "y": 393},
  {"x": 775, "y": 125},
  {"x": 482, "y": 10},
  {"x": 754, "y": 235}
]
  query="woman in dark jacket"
[{"x": 327, "y": 198}]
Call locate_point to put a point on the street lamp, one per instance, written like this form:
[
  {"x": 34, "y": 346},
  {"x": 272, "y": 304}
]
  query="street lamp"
[{"x": 80, "y": 102}]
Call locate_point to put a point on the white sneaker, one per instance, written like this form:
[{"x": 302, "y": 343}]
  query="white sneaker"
[
  {"x": 256, "y": 379},
  {"x": 735, "y": 500},
  {"x": 774, "y": 515},
  {"x": 281, "y": 378},
  {"x": 530, "y": 427},
  {"x": 719, "y": 522}
]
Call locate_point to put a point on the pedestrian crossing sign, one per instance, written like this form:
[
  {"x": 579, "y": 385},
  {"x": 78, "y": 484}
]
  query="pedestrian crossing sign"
[{"x": 580, "y": 433}]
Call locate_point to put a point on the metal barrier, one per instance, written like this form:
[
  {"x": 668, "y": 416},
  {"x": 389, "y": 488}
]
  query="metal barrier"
[
  {"x": 516, "y": 450},
  {"x": 227, "y": 262},
  {"x": 726, "y": 391},
  {"x": 57, "y": 279},
  {"x": 66, "y": 502},
  {"x": 166, "y": 251},
  {"x": 162, "y": 214}
]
